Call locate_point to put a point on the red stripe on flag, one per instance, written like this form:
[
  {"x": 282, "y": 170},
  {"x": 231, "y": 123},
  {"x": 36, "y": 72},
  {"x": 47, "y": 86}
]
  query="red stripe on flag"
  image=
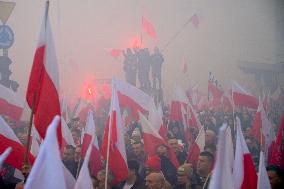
[{"x": 10, "y": 110}]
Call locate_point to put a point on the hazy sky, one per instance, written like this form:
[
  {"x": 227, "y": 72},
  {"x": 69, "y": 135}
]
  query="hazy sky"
[{"x": 230, "y": 31}]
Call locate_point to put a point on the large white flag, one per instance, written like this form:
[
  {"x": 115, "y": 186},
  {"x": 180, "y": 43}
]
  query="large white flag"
[{"x": 47, "y": 171}]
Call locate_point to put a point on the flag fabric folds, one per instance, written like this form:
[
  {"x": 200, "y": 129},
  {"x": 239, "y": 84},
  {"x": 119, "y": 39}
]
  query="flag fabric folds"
[
  {"x": 263, "y": 180},
  {"x": 277, "y": 156},
  {"x": 148, "y": 28},
  {"x": 47, "y": 171},
  {"x": 113, "y": 140},
  {"x": 222, "y": 177},
  {"x": 9, "y": 139},
  {"x": 43, "y": 86},
  {"x": 244, "y": 172}
]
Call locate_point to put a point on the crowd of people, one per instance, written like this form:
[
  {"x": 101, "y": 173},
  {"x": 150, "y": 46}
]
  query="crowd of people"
[
  {"x": 158, "y": 171},
  {"x": 137, "y": 64}
]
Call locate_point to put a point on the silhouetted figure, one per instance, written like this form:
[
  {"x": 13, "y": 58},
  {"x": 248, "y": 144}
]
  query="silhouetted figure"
[
  {"x": 144, "y": 61},
  {"x": 130, "y": 66},
  {"x": 157, "y": 61}
]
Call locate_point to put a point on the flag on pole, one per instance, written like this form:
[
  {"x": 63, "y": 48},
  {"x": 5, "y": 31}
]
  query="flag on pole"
[
  {"x": 84, "y": 180},
  {"x": 148, "y": 28},
  {"x": 43, "y": 83},
  {"x": 152, "y": 139},
  {"x": 263, "y": 180},
  {"x": 222, "y": 177},
  {"x": 243, "y": 98},
  {"x": 113, "y": 141},
  {"x": 9, "y": 139},
  {"x": 277, "y": 156},
  {"x": 47, "y": 171},
  {"x": 11, "y": 104},
  {"x": 244, "y": 172}
]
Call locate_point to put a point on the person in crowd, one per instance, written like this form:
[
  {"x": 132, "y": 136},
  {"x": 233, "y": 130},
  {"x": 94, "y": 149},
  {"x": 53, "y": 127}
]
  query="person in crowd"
[
  {"x": 68, "y": 159},
  {"x": 132, "y": 181},
  {"x": 180, "y": 154},
  {"x": 130, "y": 66},
  {"x": 276, "y": 176},
  {"x": 138, "y": 154},
  {"x": 168, "y": 169},
  {"x": 204, "y": 167},
  {"x": 155, "y": 181},
  {"x": 157, "y": 60},
  {"x": 184, "y": 177},
  {"x": 101, "y": 176},
  {"x": 210, "y": 138}
]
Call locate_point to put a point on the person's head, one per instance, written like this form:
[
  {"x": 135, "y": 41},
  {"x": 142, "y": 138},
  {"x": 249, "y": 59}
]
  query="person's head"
[
  {"x": 68, "y": 153},
  {"x": 136, "y": 135},
  {"x": 275, "y": 175},
  {"x": 101, "y": 176},
  {"x": 210, "y": 137},
  {"x": 184, "y": 173},
  {"x": 21, "y": 134},
  {"x": 137, "y": 148},
  {"x": 133, "y": 167},
  {"x": 205, "y": 163},
  {"x": 153, "y": 164},
  {"x": 77, "y": 154},
  {"x": 173, "y": 143},
  {"x": 155, "y": 181},
  {"x": 210, "y": 148},
  {"x": 162, "y": 150},
  {"x": 76, "y": 134}
]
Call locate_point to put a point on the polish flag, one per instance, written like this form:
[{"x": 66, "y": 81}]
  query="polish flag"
[
  {"x": 44, "y": 81},
  {"x": 277, "y": 156},
  {"x": 216, "y": 93},
  {"x": 262, "y": 128},
  {"x": 133, "y": 98},
  {"x": 196, "y": 147},
  {"x": 36, "y": 141},
  {"x": 66, "y": 134},
  {"x": 243, "y": 98},
  {"x": 89, "y": 135},
  {"x": 9, "y": 139},
  {"x": 148, "y": 28},
  {"x": 10, "y": 103},
  {"x": 4, "y": 156},
  {"x": 179, "y": 99},
  {"x": 113, "y": 140},
  {"x": 263, "y": 180},
  {"x": 193, "y": 120},
  {"x": 152, "y": 140},
  {"x": 47, "y": 171},
  {"x": 222, "y": 177},
  {"x": 81, "y": 110},
  {"x": 84, "y": 180},
  {"x": 244, "y": 172},
  {"x": 155, "y": 117}
]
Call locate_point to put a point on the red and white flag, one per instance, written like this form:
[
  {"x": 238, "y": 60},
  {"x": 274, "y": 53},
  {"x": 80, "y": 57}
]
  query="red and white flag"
[
  {"x": 222, "y": 177},
  {"x": 262, "y": 129},
  {"x": 243, "y": 98},
  {"x": 244, "y": 172},
  {"x": 36, "y": 141},
  {"x": 263, "y": 180},
  {"x": 47, "y": 171},
  {"x": 133, "y": 98},
  {"x": 277, "y": 156},
  {"x": 179, "y": 99},
  {"x": 89, "y": 136},
  {"x": 9, "y": 139},
  {"x": 11, "y": 104},
  {"x": 66, "y": 134},
  {"x": 4, "y": 156},
  {"x": 196, "y": 147},
  {"x": 152, "y": 139},
  {"x": 148, "y": 28},
  {"x": 44, "y": 81},
  {"x": 113, "y": 140},
  {"x": 84, "y": 180}
]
